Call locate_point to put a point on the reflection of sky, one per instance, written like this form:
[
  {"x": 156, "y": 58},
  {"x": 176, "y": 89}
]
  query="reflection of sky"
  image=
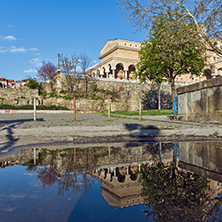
[{"x": 22, "y": 198}]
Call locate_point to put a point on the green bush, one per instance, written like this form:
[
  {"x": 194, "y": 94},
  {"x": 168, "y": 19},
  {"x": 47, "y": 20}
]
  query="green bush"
[
  {"x": 31, "y": 107},
  {"x": 32, "y": 84},
  {"x": 63, "y": 91},
  {"x": 53, "y": 94},
  {"x": 43, "y": 93}
]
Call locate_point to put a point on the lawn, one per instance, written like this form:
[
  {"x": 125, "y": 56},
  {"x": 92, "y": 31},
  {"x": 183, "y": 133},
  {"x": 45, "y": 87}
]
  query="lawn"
[{"x": 151, "y": 112}]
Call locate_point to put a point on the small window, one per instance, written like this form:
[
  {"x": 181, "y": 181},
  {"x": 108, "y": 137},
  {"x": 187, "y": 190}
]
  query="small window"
[
  {"x": 125, "y": 43},
  {"x": 135, "y": 45},
  {"x": 130, "y": 44}
]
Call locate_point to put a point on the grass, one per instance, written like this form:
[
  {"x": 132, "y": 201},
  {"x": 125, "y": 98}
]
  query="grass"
[
  {"x": 108, "y": 120},
  {"x": 151, "y": 112}
]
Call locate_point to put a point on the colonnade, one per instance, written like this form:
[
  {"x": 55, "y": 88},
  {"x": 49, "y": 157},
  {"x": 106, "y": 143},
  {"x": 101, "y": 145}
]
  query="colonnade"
[{"x": 117, "y": 71}]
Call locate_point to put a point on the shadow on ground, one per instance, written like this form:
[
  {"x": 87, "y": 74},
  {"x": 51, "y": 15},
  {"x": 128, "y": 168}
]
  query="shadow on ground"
[
  {"x": 141, "y": 133},
  {"x": 9, "y": 125}
]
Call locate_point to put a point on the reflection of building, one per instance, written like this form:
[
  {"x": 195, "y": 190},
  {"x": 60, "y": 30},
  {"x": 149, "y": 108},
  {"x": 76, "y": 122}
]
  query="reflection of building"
[
  {"x": 203, "y": 159},
  {"x": 202, "y": 155},
  {"x": 119, "y": 58},
  {"x": 120, "y": 186}
]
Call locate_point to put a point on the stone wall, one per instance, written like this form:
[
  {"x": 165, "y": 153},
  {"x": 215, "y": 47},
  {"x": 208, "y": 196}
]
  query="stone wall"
[
  {"x": 201, "y": 101},
  {"x": 127, "y": 95},
  {"x": 21, "y": 96}
]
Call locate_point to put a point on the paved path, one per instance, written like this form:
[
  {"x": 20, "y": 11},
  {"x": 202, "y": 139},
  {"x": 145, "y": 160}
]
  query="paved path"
[{"x": 17, "y": 129}]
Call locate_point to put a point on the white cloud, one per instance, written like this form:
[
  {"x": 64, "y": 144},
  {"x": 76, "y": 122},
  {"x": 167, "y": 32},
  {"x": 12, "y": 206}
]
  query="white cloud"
[
  {"x": 36, "y": 61},
  {"x": 9, "y": 38},
  {"x": 12, "y": 49},
  {"x": 30, "y": 71},
  {"x": 9, "y": 26},
  {"x": 15, "y": 49},
  {"x": 33, "y": 49},
  {"x": 2, "y": 50}
]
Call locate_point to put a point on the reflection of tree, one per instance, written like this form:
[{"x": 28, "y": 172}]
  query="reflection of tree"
[
  {"x": 63, "y": 166},
  {"x": 76, "y": 183},
  {"x": 47, "y": 176},
  {"x": 172, "y": 194}
]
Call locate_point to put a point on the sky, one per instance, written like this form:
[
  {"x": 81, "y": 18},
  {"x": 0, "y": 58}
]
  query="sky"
[{"x": 35, "y": 30}]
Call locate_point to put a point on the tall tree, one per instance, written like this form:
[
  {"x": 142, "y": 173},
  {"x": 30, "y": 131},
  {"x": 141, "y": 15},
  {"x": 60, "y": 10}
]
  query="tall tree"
[
  {"x": 69, "y": 69},
  {"x": 47, "y": 71},
  {"x": 206, "y": 15},
  {"x": 85, "y": 63},
  {"x": 166, "y": 55}
]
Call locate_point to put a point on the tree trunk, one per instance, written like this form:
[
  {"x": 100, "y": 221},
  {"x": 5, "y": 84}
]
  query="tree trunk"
[
  {"x": 173, "y": 91},
  {"x": 159, "y": 99}
]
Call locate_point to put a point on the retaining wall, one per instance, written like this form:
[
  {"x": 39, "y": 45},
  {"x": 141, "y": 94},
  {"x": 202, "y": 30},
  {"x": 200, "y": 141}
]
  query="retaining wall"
[
  {"x": 201, "y": 101},
  {"x": 127, "y": 96}
]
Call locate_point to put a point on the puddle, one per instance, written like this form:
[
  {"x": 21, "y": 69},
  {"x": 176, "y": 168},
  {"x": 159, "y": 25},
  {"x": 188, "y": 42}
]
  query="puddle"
[{"x": 106, "y": 182}]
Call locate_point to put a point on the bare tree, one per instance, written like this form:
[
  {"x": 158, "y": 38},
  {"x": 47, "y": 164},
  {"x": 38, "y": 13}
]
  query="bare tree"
[
  {"x": 85, "y": 63},
  {"x": 206, "y": 15},
  {"x": 68, "y": 67}
]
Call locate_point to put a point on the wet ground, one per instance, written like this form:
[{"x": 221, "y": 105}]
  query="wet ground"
[
  {"x": 17, "y": 129},
  {"x": 101, "y": 183}
]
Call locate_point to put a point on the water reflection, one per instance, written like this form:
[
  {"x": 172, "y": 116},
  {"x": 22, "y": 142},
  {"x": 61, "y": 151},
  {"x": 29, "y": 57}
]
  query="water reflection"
[{"x": 176, "y": 181}]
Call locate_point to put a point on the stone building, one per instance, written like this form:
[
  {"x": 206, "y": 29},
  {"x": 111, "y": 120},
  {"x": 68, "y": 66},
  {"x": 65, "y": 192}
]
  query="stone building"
[{"x": 119, "y": 58}]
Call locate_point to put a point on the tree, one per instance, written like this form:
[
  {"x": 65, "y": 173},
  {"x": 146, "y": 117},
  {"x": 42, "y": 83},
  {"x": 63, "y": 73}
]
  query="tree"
[
  {"x": 176, "y": 195},
  {"x": 47, "y": 71},
  {"x": 69, "y": 69},
  {"x": 166, "y": 55},
  {"x": 205, "y": 15},
  {"x": 32, "y": 83},
  {"x": 85, "y": 62}
]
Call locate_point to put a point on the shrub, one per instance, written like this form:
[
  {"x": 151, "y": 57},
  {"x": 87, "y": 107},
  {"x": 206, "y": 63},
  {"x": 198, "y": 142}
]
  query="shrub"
[
  {"x": 32, "y": 83},
  {"x": 63, "y": 91},
  {"x": 31, "y": 107},
  {"x": 52, "y": 94}
]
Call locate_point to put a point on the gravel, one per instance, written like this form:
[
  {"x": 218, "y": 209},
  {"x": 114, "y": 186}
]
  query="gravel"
[{"x": 17, "y": 129}]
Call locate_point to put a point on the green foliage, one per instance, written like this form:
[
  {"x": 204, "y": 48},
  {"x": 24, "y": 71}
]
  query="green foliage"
[
  {"x": 170, "y": 52},
  {"x": 63, "y": 92},
  {"x": 173, "y": 194},
  {"x": 52, "y": 94},
  {"x": 31, "y": 107},
  {"x": 68, "y": 97},
  {"x": 32, "y": 83},
  {"x": 43, "y": 93},
  {"x": 153, "y": 112}
]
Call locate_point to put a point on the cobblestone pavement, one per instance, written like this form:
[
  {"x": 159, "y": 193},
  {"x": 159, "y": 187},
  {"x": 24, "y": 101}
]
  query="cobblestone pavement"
[{"x": 17, "y": 120}]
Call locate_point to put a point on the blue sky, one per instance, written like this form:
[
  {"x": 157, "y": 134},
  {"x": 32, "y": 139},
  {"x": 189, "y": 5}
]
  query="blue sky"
[{"x": 36, "y": 30}]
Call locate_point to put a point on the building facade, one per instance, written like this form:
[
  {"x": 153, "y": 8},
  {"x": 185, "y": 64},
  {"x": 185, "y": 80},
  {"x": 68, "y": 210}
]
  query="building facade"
[{"x": 119, "y": 58}]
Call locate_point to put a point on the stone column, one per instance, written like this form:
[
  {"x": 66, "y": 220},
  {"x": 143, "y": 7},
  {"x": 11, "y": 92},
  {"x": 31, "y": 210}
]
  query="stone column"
[
  {"x": 113, "y": 74},
  {"x": 126, "y": 70},
  {"x": 127, "y": 170},
  {"x": 141, "y": 153}
]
